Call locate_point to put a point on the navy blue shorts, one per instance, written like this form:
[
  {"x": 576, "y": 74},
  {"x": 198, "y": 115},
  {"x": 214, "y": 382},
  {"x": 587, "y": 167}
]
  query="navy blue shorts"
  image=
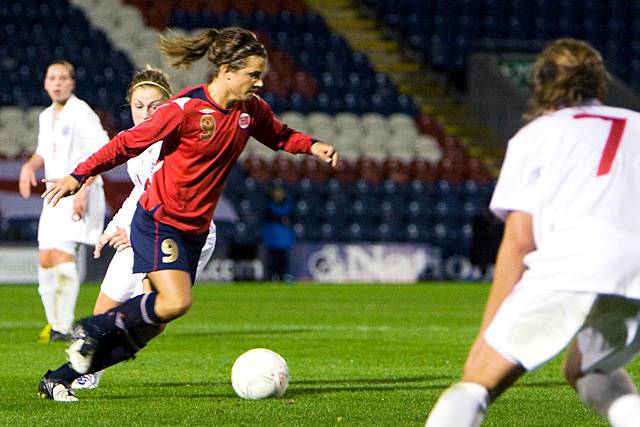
[{"x": 157, "y": 246}]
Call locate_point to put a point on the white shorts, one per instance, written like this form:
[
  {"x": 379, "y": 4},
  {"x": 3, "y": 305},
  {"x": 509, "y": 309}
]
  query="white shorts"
[
  {"x": 121, "y": 284},
  {"x": 534, "y": 325},
  {"x": 57, "y": 225},
  {"x": 68, "y": 247}
]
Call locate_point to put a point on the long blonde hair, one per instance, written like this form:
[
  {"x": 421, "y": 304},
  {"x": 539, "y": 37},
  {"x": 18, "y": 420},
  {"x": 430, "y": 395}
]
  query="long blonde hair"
[
  {"x": 231, "y": 46},
  {"x": 565, "y": 74}
]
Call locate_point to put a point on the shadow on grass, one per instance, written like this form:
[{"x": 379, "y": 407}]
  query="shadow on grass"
[
  {"x": 427, "y": 382},
  {"x": 249, "y": 332},
  {"x": 301, "y": 387}
]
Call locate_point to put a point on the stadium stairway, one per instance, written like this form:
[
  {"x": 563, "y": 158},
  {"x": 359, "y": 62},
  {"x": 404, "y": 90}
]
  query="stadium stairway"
[{"x": 427, "y": 87}]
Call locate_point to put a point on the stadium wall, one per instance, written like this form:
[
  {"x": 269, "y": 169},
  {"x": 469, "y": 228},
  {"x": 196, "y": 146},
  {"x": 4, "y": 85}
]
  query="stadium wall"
[
  {"x": 499, "y": 93},
  {"x": 310, "y": 262}
]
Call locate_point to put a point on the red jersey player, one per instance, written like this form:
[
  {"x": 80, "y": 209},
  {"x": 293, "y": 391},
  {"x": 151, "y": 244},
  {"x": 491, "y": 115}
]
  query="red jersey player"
[{"x": 204, "y": 129}]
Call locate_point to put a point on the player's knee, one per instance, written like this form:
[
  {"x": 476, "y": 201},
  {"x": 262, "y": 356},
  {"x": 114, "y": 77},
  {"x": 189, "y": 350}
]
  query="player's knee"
[{"x": 174, "y": 306}]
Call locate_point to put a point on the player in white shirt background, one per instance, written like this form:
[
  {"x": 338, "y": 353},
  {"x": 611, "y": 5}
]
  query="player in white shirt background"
[
  {"x": 568, "y": 268},
  {"x": 69, "y": 131},
  {"x": 148, "y": 90}
]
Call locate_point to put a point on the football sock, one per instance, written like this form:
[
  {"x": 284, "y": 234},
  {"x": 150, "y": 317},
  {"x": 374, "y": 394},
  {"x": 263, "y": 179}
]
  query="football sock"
[
  {"x": 461, "y": 405},
  {"x": 64, "y": 372},
  {"x": 121, "y": 346},
  {"x": 47, "y": 291},
  {"x": 136, "y": 312},
  {"x": 613, "y": 396},
  {"x": 68, "y": 285}
]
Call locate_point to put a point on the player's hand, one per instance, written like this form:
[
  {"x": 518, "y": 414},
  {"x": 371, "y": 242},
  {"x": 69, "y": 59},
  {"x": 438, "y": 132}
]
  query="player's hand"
[
  {"x": 79, "y": 205},
  {"x": 67, "y": 186},
  {"x": 325, "y": 152},
  {"x": 118, "y": 240},
  {"x": 26, "y": 181}
]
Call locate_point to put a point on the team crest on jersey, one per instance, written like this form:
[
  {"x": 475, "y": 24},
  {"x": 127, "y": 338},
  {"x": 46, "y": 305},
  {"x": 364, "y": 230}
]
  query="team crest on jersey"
[
  {"x": 66, "y": 130},
  {"x": 244, "y": 120}
]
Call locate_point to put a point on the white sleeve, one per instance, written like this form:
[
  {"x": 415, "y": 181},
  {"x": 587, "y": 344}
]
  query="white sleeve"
[
  {"x": 91, "y": 135},
  {"x": 207, "y": 249},
  {"x": 41, "y": 149},
  {"x": 123, "y": 217},
  {"x": 518, "y": 177}
]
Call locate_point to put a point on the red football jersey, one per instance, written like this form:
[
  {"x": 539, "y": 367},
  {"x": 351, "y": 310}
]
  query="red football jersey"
[{"x": 201, "y": 142}]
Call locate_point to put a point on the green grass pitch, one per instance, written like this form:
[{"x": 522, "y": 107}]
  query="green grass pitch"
[{"x": 359, "y": 355}]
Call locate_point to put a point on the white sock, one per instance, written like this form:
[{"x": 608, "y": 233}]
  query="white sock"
[
  {"x": 613, "y": 396},
  {"x": 461, "y": 405},
  {"x": 68, "y": 286},
  {"x": 47, "y": 290}
]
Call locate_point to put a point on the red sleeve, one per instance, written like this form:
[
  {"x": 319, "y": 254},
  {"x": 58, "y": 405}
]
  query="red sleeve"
[
  {"x": 132, "y": 142},
  {"x": 274, "y": 134}
]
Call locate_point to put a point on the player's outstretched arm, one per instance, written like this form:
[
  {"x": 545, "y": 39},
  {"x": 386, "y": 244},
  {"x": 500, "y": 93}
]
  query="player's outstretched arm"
[
  {"x": 517, "y": 242},
  {"x": 28, "y": 175},
  {"x": 325, "y": 152},
  {"x": 67, "y": 186}
]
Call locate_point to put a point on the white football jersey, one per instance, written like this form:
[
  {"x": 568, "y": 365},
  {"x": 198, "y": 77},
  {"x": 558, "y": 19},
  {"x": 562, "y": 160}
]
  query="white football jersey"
[
  {"x": 140, "y": 170},
  {"x": 70, "y": 139},
  {"x": 577, "y": 172},
  {"x": 63, "y": 143}
]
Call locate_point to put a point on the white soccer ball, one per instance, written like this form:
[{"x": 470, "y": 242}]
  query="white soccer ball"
[{"x": 259, "y": 373}]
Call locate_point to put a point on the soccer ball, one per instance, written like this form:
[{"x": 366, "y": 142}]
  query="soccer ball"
[{"x": 259, "y": 373}]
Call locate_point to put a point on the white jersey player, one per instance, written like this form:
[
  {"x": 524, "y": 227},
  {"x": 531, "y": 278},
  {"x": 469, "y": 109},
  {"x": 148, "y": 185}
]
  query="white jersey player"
[
  {"x": 148, "y": 90},
  {"x": 568, "y": 268},
  {"x": 69, "y": 131}
]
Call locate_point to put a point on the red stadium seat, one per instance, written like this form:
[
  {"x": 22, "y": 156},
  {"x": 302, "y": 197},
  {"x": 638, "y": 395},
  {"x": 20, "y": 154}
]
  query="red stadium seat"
[
  {"x": 285, "y": 168},
  {"x": 454, "y": 173},
  {"x": 370, "y": 170},
  {"x": 189, "y": 5},
  {"x": 396, "y": 170},
  {"x": 315, "y": 169},
  {"x": 423, "y": 171},
  {"x": 257, "y": 168},
  {"x": 246, "y": 7},
  {"x": 270, "y": 7},
  {"x": 429, "y": 126},
  {"x": 345, "y": 172},
  {"x": 305, "y": 84},
  {"x": 217, "y": 6},
  {"x": 478, "y": 172},
  {"x": 156, "y": 16},
  {"x": 296, "y": 7}
]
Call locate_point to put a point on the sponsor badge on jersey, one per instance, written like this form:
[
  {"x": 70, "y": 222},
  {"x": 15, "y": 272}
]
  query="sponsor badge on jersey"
[
  {"x": 66, "y": 131},
  {"x": 244, "y": 120}
]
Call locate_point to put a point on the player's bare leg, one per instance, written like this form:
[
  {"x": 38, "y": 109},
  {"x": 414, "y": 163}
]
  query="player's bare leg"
[
  {"x": 487, "y": 374},
  {"x": 173, "y": 288},
  {"x": 104, "y": 303},
  {"x": 614, "y": 395}
]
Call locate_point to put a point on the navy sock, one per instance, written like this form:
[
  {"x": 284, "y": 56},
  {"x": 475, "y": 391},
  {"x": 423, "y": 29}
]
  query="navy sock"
[
  {"x": 65, "y": 372},
  {"x": 121, "y": 347},
  {"x": 137, "y": 312}
]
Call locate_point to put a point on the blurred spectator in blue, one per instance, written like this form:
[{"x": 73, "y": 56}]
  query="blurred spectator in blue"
[{"x": 277, "y": 234}]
